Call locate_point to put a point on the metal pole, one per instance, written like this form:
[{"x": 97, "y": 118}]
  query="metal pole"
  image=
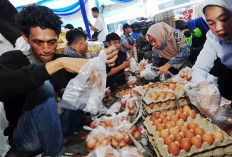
[{"x": 83, "y": 12}]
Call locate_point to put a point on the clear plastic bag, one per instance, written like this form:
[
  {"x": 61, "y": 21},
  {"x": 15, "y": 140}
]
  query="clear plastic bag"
[
  {"x": 132, "y": 80},
  {"x": 105, "y": 151},
  {"x": 130, "y": 152},
  {"x": 133, "y": 65},
  {"x": 164, "y": 77},
  {"x": 207, "y": 100},
  {"x": 4, "y": 146},
  {"x": 78, "y": 94},
  {"x": 148, "y": 74}
]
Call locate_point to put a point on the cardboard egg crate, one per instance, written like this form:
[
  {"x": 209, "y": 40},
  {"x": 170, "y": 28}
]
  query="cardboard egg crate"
[
  {"x": 173, "y": 103},
  {"x": 216, "y": 149},
  {"x": 154, "y": 87}
]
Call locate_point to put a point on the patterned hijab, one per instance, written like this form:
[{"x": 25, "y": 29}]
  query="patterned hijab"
[{"x": 164, "y": 33}]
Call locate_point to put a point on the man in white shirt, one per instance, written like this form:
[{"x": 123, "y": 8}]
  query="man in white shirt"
[{"x": 99, "y": 25}]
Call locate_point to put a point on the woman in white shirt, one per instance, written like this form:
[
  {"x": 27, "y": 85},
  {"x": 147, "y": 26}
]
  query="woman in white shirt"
[{"x": 216, "y": 56}]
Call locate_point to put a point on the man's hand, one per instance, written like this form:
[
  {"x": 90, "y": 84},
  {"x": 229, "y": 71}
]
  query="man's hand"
[
  {"x": 163, "y": 69},
  {"x": 126, "y": 64},
  {"x": 112, "y": 55}
]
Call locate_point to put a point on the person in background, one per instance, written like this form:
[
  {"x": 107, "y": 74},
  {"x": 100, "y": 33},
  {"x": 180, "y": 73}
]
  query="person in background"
[
  {"x": 99, "y": 25},
  {"x": 69, "y": 26},
  {"x": 127, "y": 42},
  {"x": 77, "y": 44},
  {"x": 144, "y": 48},
  {"x": 216, "y": 56},
  {"x": 10, "y": 37},
  {"x": 28, "y": 80},
  {"x": 170, "y": 48},
  {"x": 115, "y": 75},
  {"x": 120, "y": 29}
]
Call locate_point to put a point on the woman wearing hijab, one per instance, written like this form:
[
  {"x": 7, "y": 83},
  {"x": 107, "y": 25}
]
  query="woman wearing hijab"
[
  {"x": 170, "y": 47},
  {"x": 216, "y": 56}
]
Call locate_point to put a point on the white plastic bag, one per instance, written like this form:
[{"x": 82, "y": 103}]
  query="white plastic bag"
[
  {"x": 207, "y": 100},
  {"x": 132, "y": 80},
  {"x": 164, "y": 77},
  {"x": 133, "y": 65},
  {"x": 78, "y": 94},
  {"x": 130, "y": 152},
  {"x": 148, "y": 74},
  {"x": 4, "y": 147},
  {"x": 104, "y": 151}
]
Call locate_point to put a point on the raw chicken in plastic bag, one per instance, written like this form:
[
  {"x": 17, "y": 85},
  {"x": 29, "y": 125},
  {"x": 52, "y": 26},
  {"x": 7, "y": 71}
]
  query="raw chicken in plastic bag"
[
  {"x": 130, "y": 152},
  {"x": 4, "y": 146},
  {"x": 207, "y": 99},
  {"x": 78, "y": 94},
  {"x": 133, "y": 65},
  {"x": 148, "y": 74}
]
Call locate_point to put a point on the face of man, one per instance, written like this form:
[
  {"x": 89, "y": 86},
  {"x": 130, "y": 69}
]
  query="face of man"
[
  {"x": 43, "y": 43},
  {"x": 219, "y": 21},
  {"x": 115, "y": 43},
  {"x": 95, "y": 14},
  {"x": 128, "y": 30}
]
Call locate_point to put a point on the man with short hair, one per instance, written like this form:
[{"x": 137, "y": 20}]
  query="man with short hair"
[
  {"x": 127, "y": 41},
  {"x": 99, "y": 25},
  {"x": 115, "y": 75},
  {"x": 28, "y": 80}
]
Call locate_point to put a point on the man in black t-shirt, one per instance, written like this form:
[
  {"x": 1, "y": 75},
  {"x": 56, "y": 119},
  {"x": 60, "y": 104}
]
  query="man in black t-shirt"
[{"x": 115, "y": 75}]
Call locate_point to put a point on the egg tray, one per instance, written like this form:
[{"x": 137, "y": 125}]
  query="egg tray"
[
  {"x": 216, "y": 149},
  {"x": 163, "y": 106},
  {"x": 153, "y": 87}
]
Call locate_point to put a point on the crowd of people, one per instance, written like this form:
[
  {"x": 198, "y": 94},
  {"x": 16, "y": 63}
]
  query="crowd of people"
[{"x": 33, "y": 75}]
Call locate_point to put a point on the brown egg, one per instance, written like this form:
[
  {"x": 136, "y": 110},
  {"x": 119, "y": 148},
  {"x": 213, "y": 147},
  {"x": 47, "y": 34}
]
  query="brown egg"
[
  {"x": 162, "y": 95},
  {"x": 179, "y": 123},
  {"x": 169, "y": 113},
  {"x": 126, "y": 138},
  {"x": 114, "y": 143},
  {"x": 183, "y": 128},
  {"x": 174, "y": 118},
  {"x": 159, "y": 127},
  {"x": 93, "y": 125},
  {"x": 169, "y": 80},
  {"x": 188, "y": 134},
  {"x": 157, "y": 114},
  {"x": 137, "y": 135},
  {"x": 122, "y": 144},
  {"x": 167, "y": 102},
  {"x": 186, "y": 108},
  {"x": 178, "y": 111},
  {"x": 171, "y": 95},
  {"x": 151, "y": 106},
  {"x": 183, "y": 116},
  {"x": 173, "y": 131},
  {"x": 192, "y": 125},
  {"x": 161, "y": 86},
  {"x": 91, "y": 143},
  {"x": 164, "y": 120},
  {"x": 104, "y": 142},
  {"x": 156, "y": 122},
  {"x": 196, "y": 141},
  {"x": 134, "y": 128},
  {"x": 162, "y": 116},
  {"x": 153, "y": 117},
  {"x": 172, "y": 86},
  {"x": 199, "y": 131},
  {"x": 208, "y": 138},
  {"x": 191, "y": 113},
  {"x": 182, "y": 99},
  {"x": 164, "y": 133},
  {"x": 218, "y": 135},
  {"x": 168, "y": 140},
  {"x": 178, "y": 137},
  {"x": 168, "y": 125},
  {"x": 185, "y": 144},
  {"x": 118, "y": 137},
  {"x": 159, "y": 104},
  {"x": 174, "y": 149}
]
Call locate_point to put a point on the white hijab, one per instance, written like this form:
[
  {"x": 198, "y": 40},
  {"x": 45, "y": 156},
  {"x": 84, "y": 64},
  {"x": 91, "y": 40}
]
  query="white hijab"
[{"x": 227, "y": 4}]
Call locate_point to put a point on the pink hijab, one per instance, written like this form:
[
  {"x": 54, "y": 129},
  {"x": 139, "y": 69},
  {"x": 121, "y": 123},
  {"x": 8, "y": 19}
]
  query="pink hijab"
[{"x": 163, "y": 32}]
